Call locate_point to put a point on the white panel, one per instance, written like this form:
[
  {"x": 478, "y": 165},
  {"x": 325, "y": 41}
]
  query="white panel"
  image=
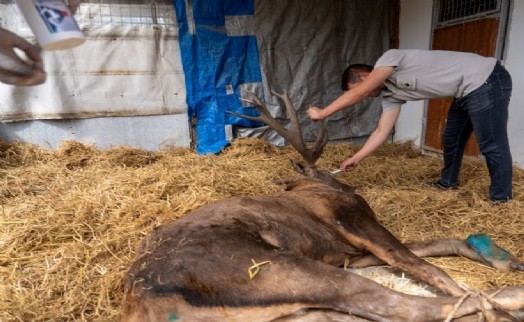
[
  {"x": 146, "y": 132},
  {"x": 515, "y": 66},
  {"x": 415, "y": 33},
  {"x": 120, "y": 70}
]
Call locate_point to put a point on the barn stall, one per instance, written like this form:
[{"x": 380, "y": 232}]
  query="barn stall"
[
  {"x": 72, "y": 217},
  {"x": 73, "y": 212}
]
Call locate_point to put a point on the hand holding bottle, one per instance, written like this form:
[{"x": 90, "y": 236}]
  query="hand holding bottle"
[{"x": 17, "y": 70}]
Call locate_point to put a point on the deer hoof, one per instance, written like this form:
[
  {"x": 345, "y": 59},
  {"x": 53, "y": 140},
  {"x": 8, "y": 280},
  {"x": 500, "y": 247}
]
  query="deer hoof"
[{"x": 493, "y": 254}]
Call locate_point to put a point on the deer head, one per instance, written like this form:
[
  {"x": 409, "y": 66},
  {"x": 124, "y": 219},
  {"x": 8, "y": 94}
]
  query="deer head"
[{"x": 293, "y": 135}]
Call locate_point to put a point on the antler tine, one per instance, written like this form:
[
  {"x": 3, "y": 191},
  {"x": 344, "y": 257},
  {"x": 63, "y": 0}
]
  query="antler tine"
[
  {"x": 264, "y": 117},
  {"x": 320, "y": 142},
  {"x": 316, "y": 151},
  {"x": 290, "y": 112},
  {"x": 294, "y": 134},
  {"x": 255, "y": 101}
]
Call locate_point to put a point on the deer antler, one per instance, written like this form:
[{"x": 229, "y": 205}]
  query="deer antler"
[
  {"x": 294, "y": 134},
  {"x": 294, "y": 137}
]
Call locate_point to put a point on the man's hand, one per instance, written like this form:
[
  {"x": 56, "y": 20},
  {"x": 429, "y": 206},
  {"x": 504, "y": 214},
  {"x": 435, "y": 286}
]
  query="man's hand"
[
  {"x": 349, "y": 164},
  {"x": 315, "y": 113},
  {"x": 13, "y": 69}
]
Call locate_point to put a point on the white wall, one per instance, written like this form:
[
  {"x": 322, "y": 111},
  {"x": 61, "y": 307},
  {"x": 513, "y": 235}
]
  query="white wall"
[
  {"x": 415, "y": 33},
  {"x": 152, "y": 132},
  {"x": 515, "y": 65}
]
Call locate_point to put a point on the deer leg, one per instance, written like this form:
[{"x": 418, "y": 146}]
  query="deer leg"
[
  {"x": 492, "y": 254},
  {"x": 356, "y": 221},
  {"x": 316, "y": 315},
  {"x": 285, "y": 285},
  {"x": 366, "y": 299},
  {"x": 320, "y": 315},
  {"x": 488, "y": 252},
  {"x": 432, "y": 248},
  {"x": 318, "y": 285}
]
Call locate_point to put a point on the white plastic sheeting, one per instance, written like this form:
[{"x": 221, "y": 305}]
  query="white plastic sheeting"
[{"x": 119, "y": 71}]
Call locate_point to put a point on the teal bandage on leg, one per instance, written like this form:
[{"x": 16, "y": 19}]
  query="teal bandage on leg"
[
  {"x": 486, "y": 247},
  {"x": 492, "y": 254}
]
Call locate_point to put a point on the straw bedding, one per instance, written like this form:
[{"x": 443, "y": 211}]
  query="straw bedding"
[{"x": 71, "y": 219}]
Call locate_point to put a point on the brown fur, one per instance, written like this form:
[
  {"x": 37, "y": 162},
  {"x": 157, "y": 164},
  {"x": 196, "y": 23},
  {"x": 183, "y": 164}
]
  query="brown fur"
[{"x": 196, "y": 268}]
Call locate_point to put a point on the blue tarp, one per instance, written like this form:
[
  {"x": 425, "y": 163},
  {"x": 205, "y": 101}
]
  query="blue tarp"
[
  {"x": 298, "y": 46},
  {"x": 215, "y": 65}
]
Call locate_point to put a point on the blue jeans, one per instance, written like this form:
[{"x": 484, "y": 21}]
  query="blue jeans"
[{"x": 485, "y": 111}]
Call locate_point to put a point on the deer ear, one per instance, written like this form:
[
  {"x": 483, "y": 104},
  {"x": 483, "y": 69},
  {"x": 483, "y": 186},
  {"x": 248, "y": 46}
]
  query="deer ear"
[
  {"x": 305, "y": 168},
  {"x": 299, "y": 166}
]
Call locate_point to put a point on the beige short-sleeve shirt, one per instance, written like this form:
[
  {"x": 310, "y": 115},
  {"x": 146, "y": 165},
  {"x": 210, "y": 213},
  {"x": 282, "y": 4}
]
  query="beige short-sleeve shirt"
[{"x": 425, "y": 74}]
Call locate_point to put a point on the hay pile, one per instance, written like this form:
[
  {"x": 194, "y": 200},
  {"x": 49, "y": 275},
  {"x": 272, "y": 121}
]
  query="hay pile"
[{"x": 71, "y": 219}]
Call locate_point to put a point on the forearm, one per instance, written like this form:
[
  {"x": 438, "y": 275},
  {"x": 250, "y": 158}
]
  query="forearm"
[
  {"x": 375, "y": 140},
  {"x": 378, "y": 137},
  {"x": 347, "y": 99}
]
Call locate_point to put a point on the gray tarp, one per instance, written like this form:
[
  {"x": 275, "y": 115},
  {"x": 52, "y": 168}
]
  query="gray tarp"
[{"x": 304, "y": 46}]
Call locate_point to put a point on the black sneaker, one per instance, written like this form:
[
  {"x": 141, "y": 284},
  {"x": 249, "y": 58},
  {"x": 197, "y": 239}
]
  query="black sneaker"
[
  {"x": 440, "y": 186},
  {"x": 499, "y": 202}
]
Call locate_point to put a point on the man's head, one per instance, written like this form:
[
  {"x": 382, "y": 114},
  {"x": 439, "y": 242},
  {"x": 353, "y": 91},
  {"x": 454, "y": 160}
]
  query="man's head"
[{"x": 354, "y": 75}]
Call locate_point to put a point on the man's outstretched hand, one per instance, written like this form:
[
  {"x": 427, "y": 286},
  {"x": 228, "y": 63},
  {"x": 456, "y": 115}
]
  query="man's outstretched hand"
[
  {"x": 16, "y": 70},
  {"x": 315, "y": 113}
]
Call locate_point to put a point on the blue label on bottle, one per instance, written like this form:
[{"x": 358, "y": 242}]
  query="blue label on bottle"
[{"x": 55, "y": 17}]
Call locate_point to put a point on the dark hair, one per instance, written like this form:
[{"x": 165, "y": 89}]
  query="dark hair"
[{"x": 352, "y": 74}]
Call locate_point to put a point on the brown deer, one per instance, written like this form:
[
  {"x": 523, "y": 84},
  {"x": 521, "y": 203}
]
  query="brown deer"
[{"x": 279, "y": 258}]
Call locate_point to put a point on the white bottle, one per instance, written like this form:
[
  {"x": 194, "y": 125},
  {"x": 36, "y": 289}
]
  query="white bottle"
[{"x": 52, "y": 23}]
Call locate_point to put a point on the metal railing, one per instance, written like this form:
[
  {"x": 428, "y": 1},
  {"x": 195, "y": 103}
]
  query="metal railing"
[{"x": 451, "y": 11}]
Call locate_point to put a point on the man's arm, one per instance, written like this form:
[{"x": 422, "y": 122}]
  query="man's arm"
[
  {"x": 373, "y": 81},
  {"x": 385, "y": 125}
]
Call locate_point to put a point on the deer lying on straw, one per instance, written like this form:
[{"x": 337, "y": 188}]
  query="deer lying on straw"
[{"x": 279, "y": 258}]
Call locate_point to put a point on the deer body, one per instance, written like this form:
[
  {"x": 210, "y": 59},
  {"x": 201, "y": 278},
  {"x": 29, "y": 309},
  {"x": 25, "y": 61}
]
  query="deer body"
[
  {"x": 278, "y": 258},
  {"x": 196, "y": 268}
]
